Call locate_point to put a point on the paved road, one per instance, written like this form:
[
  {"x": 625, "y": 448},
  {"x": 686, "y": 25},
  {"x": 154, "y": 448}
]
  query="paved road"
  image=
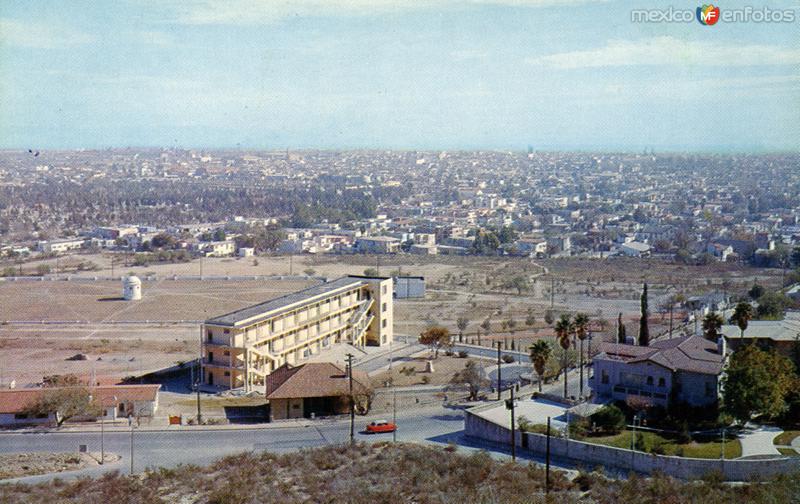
[{"x": 169, "y": 448}]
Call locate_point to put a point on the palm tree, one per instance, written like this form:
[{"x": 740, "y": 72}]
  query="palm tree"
[
  {"x": 581, "y": 324},
  {"x": 711, "y": 326},
  {"x": 540, "y": 354},
  {"x": 563, "y": 330},
  {"x": 742, "y": 315}
]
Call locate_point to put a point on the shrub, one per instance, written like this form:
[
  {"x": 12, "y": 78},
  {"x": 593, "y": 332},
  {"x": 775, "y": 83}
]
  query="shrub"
[
  {"x": 609, "y": 419},
  {"x": 462, "y": 354},
  {"x": 508, "y": 359}
]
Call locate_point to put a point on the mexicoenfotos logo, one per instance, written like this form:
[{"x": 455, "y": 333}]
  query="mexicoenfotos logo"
[{"x": 708, "y": 15}]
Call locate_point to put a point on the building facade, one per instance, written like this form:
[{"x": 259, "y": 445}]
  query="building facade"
[
  {"x": 686, "y": 369},
  {"x": 241, "y": 348}
]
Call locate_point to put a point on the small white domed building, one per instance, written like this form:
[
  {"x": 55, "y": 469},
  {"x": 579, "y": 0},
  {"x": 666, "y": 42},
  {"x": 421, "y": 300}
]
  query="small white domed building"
[{"x": 131, "y": 288}]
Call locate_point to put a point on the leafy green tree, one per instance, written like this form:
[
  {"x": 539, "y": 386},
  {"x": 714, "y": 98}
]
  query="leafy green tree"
[
  {"x": 644, "y": 330},
  {"x": 530, "y": 319},
  {"x": 520, "y": 283},
  {"x": 371, "y": 272},
  {"x": 540, "y": 352},
  {"x": 472, "y": 376},
  {"x": 756, "y": 291},
  {"x": 65, "y": 403},
  {"x": 435, "y": 337},
  {"x": 42, "y": 269},
  {"x": 742, "y": 315},
  {"x": 609, "y": 419},
  {"x": 462, "y": 322},
  {"x": 772, "y": 305},
  {"x": 756, "y": 383},
  {"x": 621, "y": 336}
]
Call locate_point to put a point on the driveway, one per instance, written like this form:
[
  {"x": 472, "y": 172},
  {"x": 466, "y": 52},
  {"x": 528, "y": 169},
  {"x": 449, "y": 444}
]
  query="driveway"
[{"x": 758, "y": 440}]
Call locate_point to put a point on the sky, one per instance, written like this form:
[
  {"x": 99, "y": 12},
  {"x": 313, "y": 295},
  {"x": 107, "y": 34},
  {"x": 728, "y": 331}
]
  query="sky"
[{"x": 395, "y": 74}]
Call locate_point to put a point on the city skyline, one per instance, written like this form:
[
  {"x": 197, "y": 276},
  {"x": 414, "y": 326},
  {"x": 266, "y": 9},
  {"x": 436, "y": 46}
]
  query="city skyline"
[{"x": 351, "y": 74}]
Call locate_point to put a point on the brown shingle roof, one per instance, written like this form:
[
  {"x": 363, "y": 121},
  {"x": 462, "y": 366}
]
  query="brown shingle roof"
[
  {"x": 689, "y": 353},
  {"x": 313, "y": 379}
]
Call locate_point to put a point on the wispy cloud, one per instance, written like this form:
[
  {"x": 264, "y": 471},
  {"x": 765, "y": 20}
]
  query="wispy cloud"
[
  {"x": 40, "y": 36},
  {"x": 670, "y": 51},
  {"x": 255, "y": 12}
]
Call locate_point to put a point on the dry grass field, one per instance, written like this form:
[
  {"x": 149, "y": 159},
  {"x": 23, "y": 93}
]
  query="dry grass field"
[{"x": 475, "y": 288}]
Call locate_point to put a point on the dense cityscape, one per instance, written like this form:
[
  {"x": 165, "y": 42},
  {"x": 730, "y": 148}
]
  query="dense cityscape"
[{"x": 383, "y": 251}]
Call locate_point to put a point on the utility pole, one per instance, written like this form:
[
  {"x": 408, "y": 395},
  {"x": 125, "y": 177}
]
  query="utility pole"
[
  {"x": 130, "y": 421},
  {"x": 499, "y": 377},
  {"x": 547, "y": 461},
  {"x": 112, "y": 267},
  {"x": 510, "y": 406},
  {"x": 352, "y": 399},
  {"x": 199, "y": 377},
  {"x": 102, "y": 434},
  {"x": 552, "y": 291}
]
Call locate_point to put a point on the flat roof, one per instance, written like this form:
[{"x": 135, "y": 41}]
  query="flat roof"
[{"x": 273, "y": 307}]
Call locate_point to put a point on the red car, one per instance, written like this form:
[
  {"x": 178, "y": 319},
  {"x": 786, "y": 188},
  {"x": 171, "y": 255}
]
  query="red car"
[{"x": 379, "y": 426}]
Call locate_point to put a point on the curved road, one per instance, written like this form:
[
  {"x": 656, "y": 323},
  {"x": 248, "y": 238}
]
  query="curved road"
[{"x": 165, "y": 448}]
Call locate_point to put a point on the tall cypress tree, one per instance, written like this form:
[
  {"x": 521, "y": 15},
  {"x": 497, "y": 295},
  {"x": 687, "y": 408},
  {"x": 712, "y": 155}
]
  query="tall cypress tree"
[
  {"x": 644, "y": 331},
  {"x": 620, "y": 330}
]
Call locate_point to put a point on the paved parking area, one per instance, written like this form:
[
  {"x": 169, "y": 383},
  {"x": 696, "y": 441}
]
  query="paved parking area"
[{"x": 535, "y": 410}]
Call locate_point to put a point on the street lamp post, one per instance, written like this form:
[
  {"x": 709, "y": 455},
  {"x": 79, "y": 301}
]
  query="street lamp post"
[
  {"x": 499, "y": 377},
  {"x": 102, "y": 429},
  {"x": 130, "y": 422},
  {"x": 352, "y": 399}
]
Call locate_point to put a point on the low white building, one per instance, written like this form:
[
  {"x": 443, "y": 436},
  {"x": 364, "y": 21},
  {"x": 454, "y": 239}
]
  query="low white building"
[
  {"x": 116, "y": 401},
  {"x": 60, "y": 246},
  {"x": 635, "y": 249}
]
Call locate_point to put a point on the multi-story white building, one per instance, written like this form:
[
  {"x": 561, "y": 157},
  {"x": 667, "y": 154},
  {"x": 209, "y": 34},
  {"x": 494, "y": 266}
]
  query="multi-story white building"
[{"x": 241, "y": 348}]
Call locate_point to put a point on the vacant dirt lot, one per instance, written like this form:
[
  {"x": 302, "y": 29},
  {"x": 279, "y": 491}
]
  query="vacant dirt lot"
[
  {"x": 15, "y": 465},
  {"x": 476, "y": 289}
]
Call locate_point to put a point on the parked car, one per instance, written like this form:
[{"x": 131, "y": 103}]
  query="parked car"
[{"x": 379, "y": 426}]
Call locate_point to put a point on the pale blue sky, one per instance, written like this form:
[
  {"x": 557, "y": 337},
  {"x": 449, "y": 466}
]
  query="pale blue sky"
[{"x": 410, "y": 74}]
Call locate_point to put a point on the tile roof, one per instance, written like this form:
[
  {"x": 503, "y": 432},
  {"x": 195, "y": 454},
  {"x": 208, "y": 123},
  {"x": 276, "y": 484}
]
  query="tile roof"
[
  {"x": 268, "y": 309},
  {"x": 313, "y": 379},
  {"x": 16, "y": 400},
  {"x": 689, "y": 353}
]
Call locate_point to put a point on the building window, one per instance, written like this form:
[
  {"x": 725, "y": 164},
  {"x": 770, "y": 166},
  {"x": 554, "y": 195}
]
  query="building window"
[
  {"x": 650, "y": 380},
  {"x": 383, "y": 307},
  {"x": 226, "y": 353},
  {"x": 210, "y": 356},
  {"x": 383, "y": 289},
  {"x": 227, "y": 373},
  {"x": 210, "y": 336},
  {"x": 227, "y": 331},
  {"x": 383, "y": 323},
  {"x": 661, "y": 382},
  {"x": 604, "y": 377},
  {"x": 710, "y": 389}
]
